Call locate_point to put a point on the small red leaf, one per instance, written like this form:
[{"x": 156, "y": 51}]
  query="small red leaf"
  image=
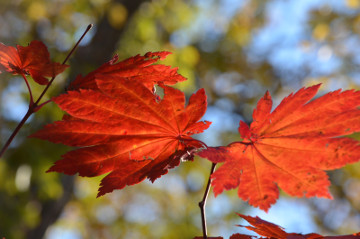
[
  {"x": 270, "y": 230},
  {"x": 264, "y": 228},
  {"x": 240, "y": 236},
  {"x": 31, "y": 60}
]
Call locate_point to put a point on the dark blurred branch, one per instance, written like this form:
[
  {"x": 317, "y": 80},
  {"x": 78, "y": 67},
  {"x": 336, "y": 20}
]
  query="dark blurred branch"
[
  {"x": 51, "y": 210},
  {"x": 105, "y": 40}
]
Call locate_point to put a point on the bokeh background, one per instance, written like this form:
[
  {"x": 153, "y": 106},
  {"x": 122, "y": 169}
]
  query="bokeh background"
[{"x": 235, "y": 49}]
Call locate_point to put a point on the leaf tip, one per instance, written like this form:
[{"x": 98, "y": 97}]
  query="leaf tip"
[
  {"x": 51, "y": 169},
  {"x": 244, "y": 130}
]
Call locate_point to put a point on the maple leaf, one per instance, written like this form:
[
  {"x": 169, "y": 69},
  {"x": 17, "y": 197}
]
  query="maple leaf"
[
  {"x": 33, "y": 60},
  {"x": 289, "y": 147},
  {"x": 138, "y": 67},
  {"x": 271, "y": 231},
  {"x": 126, "y": 130}
]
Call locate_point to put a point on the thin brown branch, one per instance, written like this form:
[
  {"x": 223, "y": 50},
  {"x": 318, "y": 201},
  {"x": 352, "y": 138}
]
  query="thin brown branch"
[
  {"x": 31, "y": 101},
  {"x": 14, "y": 133},
  {"x": 64, "y": 62},
  {"x": 33, "y": 107},
  {"x": 202, "y": 203}
]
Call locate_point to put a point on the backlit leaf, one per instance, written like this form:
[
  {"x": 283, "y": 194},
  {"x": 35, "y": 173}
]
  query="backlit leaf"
[
  {"x": 290, "y": 147},
  {"x": 127, "y": 131},
  {"x": 268, "y": 230},
  {"x": 138, "y": 67},
  {"x": 31, "y": 60}
]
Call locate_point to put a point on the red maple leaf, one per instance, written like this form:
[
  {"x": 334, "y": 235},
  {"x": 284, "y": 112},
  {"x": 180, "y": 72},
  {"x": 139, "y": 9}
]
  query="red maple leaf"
[
  {"x": 126, "y": 130},
  {"x": 289, "y": 147},
  {"x": 138, "y": 67},
  {"x": 271, "y": 231},
  {"x": 31, "y": 60}
]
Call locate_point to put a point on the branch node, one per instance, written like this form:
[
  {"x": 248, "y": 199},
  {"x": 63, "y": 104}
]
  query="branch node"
[{"x": 202, "y": 203}]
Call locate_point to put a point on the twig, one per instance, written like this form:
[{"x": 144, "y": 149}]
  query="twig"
[
  {"x": 66, "y": 59},
  {"x": 203, "y": 202},
  {"x": 33, "y": 107},
  {"x": 31, "y": 101},
  {"x": 18, "y": 127}
]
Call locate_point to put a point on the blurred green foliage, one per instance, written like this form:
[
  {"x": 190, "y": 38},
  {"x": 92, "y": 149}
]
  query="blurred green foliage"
[{"x": 236, "y": 50}]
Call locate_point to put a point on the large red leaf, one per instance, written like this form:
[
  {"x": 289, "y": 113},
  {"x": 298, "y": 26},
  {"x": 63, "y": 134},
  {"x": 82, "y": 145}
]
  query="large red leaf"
[
  {"x": 289, "y": 147},
  {"x": 31, "y": 60},
  {"x": 270, "y": 230},
  {"x": 138, "y": 67},
  {"x": 126, "y": 130}
]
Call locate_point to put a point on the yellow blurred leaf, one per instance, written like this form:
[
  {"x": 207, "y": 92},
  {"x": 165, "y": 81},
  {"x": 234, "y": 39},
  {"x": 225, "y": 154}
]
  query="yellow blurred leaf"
[
  {"x": 32, "y": 212},
  {"x": 353, "y": 3},
  {"x": 117, "y": 15},
  {"x": 189, "y": 55},
  {"x": 321, "y": 31},
  {"x": 36, "y": 11}
]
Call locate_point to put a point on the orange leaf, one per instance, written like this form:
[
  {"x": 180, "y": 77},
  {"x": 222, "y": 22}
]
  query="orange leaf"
[
  {"x": 264, "y": 228},
  {"x": 126, "y": 130},
  {"x": 270, "y": 231},
  {"x": 240, "y": 236},
  {"x": 31, "y": 60},
  {"x": 289, "y": 147},
  {"x": 138, "y": 67}
]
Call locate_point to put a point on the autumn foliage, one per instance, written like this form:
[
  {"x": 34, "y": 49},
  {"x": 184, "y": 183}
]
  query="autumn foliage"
[
  {"x": 126, "y": 121},
  {"x": 268, "y": 230},
  {"x": 33, "y": 60},
  {"x": 289, "y": 147}
]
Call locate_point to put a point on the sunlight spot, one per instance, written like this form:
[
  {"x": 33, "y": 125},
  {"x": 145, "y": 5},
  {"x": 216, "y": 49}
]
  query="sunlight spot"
[
  {"x": 325, "y": 53},
  {"x": 353, "y": 3},
  {"x": 22, "y": 177}
]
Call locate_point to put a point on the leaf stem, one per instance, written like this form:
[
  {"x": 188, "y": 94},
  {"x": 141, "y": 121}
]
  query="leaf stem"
[
  {"x": 29, "y": 89},
  {"x": 38, "y": 107},
  {"x": 202, "y": 203},
  {"x": 33, "y": 107}
]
